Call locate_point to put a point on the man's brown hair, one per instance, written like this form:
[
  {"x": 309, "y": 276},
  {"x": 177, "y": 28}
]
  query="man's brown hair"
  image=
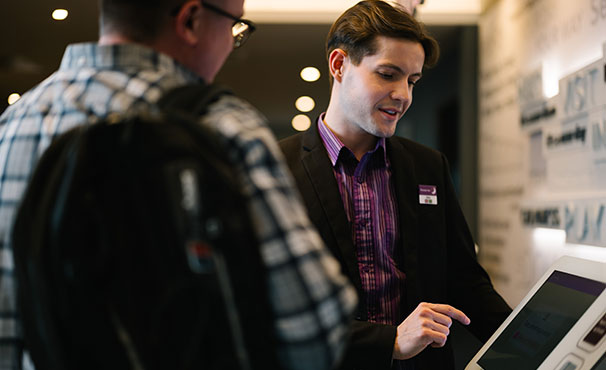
[{"x": 355, "y": 31}]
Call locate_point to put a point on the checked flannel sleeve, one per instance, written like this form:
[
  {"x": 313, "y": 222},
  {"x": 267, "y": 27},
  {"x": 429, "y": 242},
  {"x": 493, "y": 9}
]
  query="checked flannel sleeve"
[{"x": 312, "y": 301}]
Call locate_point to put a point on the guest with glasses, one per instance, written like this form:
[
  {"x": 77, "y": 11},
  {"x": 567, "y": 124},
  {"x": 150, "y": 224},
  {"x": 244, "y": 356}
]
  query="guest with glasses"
[{"x": 147, "y": 47}]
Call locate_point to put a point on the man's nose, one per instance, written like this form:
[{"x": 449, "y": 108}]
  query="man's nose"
[{"x": 403, "y": 92}]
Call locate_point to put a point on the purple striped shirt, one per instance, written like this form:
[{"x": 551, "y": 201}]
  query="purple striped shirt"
[{"x": 369, "y": 200}]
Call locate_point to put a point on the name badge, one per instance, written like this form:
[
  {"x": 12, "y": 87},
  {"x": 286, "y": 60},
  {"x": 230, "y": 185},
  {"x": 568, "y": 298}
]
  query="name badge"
[{"x": 428, "y": 194}]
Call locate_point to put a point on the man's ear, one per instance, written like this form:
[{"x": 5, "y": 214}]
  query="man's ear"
[
  {"x": 336, "y": 61},
  {"x": 188, "y": 20}
]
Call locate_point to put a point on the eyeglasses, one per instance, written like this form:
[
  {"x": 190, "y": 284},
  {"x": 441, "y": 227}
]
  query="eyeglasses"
[{"x": 240, "y": 30}]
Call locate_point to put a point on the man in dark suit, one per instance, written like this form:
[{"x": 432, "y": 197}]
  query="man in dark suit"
[{"x": 386, "y": 205}]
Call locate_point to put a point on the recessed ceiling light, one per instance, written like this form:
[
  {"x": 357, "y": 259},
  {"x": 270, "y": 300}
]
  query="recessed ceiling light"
[
  {"x": 13, "y": 98},
  {"x": 301, "y": 122},
  {"x": 60, "y": 14},
  {"x": 305, "y": 104},
  {"x": 310, "y": 74}
]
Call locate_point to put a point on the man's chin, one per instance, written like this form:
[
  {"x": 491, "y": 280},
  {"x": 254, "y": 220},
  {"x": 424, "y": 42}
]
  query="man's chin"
[{"x": 385, "y": 132}]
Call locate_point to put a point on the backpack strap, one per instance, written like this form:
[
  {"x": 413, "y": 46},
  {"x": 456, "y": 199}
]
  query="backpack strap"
[{"x": 193, "y": 99}]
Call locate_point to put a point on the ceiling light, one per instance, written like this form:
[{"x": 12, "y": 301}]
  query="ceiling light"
[
  {"x": 301, "y": 122},
  {"x": 13, "y": 98},
  {"x": 305, "y": 104},
  {"x": 59, "y": 14},
  {"x": 310, "y": 74}
]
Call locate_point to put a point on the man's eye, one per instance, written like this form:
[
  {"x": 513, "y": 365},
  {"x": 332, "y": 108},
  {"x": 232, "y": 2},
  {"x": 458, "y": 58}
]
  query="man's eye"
[
  {"x": 412, "y": 83},
  {"x": 386, "y": 76}
]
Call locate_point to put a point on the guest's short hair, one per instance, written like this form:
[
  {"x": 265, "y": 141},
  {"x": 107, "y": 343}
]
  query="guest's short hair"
[{"x": 138, "y": 20}]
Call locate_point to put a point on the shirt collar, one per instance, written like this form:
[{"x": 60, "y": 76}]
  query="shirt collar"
[
  {"x": 334, "y": 146},
  {"x": 124, "y": 56}
]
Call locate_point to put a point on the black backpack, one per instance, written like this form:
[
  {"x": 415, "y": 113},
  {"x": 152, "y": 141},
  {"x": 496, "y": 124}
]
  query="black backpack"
[{"x": 134, "y": 249}]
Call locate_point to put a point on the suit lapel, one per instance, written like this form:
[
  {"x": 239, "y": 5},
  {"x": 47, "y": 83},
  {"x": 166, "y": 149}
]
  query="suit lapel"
[
  {"x": 319, "y": 170},
  {"x": 406, "y": 188},
  {"x": 320, "y": 174}
]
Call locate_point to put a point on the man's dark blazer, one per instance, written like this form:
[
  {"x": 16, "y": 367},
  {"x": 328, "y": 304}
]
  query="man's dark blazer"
[{"x": 439, "y": 256}]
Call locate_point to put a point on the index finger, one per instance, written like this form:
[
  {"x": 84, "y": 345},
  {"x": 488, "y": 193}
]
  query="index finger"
[{"x": 451, "y": 312}]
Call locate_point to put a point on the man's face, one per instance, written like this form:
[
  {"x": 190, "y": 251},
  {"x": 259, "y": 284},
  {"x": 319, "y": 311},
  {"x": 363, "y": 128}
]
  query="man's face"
[
  {"x": 217, "y": 37},
  {"x": 375, "y": 94}
]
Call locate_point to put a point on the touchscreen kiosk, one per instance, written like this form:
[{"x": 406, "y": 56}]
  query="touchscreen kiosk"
[{"x": 560, "y": 324}]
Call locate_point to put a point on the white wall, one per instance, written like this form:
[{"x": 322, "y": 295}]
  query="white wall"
[{"x": 541, "y": 62}]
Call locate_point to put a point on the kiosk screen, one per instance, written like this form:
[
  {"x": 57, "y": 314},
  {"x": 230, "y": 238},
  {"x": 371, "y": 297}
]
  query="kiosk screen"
[{"x": 542, "y": 323}]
